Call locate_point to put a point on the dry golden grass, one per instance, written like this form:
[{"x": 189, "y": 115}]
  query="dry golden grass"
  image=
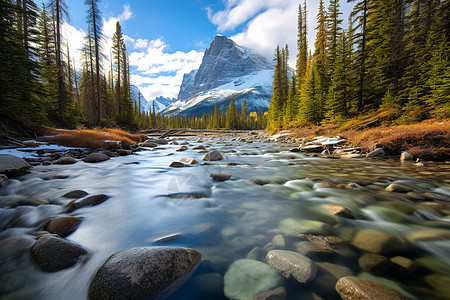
[
  {"x": 93, "y": 138},
  {"x": 429, "y": 139}
]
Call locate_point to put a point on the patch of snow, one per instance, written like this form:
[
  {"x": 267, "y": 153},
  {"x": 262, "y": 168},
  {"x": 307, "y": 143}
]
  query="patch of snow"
[{"x": 31, "y": 151}]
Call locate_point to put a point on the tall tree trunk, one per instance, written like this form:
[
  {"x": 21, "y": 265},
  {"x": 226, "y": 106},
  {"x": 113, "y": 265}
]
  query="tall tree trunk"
[
  {"x": 61, "y": 99},
  {"x": 363, "y": 59},
  {"x": 97, "y": 66}
]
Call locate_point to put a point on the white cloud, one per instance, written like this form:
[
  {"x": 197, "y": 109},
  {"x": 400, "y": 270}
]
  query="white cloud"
[
  {"x": 267, "y": 23},
  {"x": 238, "y": 12},
  {"x": 160, "y": 73},
  {"x": 109, "y": 26},
  {"x": 75, "y": 38},
  {"x": 140, "y": 44}
]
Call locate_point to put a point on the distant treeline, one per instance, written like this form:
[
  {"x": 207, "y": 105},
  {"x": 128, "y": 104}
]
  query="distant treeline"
[
  {"x": 393, "y": 55},
  {"x": 231, "y": 118}
]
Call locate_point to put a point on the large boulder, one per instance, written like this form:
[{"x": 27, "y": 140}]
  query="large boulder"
[
  {"x": 293, "y": 264},
  {"x": 10, "y": 164},
  {"x": 86, "y": 201},
  {"x": 212, "y": 156},
  {"x": 63, "y": 226},
  {"x": 355, "y": 288},
  {"x": 96, "y": 157},
  {"x": 52, "y": 254},
  {"x": 248, "y": 278},
  {"x": 142, "y": 273}
]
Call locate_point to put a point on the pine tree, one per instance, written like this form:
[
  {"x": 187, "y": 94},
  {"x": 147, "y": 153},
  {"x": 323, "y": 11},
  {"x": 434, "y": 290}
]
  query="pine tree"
[
  {"x": 320, "y": 53},
  {"x": 334, "y": 32},
  {"x": 310, "y": 98},
  {"x": 117, "y": 50},
  {"x": 302, "y": 44},
  {"x": 244, "y": 113},
  {"x": 60, "y": 13},
  {"x": 339, "y": 92},
  {"x": 94, "y": 21},
  {"x": 385, "y": 51},
  {"x": 360, "y": 15},
  {"x": 291, "y": 110}
]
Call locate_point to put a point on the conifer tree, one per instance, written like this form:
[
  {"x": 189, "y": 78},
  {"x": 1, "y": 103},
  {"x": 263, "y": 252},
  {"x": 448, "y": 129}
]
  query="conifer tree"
[
  {"x": 385, "y": 51},
  {"x": 94, "y": 21},
  {"x": 334, "y": 32},
  {"x": 291, "y": 111},
  {"x": 117, "y": 50},
  {"x": 360, "y": 14},
  {"x": 339, "y": 92},
  {"x": 302, "y": 44},
  {"x": 244, "y": 113}
]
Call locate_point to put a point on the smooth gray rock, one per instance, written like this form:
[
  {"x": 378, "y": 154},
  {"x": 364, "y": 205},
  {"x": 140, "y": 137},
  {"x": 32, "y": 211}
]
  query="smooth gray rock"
[
  {"x": 377, "y": 242},
  {"x": 375, "y": 263},
  {"x": 123, "y": 152},
  {"x": 406, "y": 156},
  {"x": 293, "y": 264},
  {"x": 149, "y": 144},
  {"x": 188, "y": 161},
  {"x": 10, "y": 164},
  {"x": 248, "y": 278},
  {"x": 182, "y": 148},
  {"x": 199, "y": 147},
  {"x": 379, "y": 152},
  {"x": 398, "y": 188},
  {"x": 212, "y": 156},
  {"x": 65, "y": 160},
  {"x": 52, "y": 254},
  {"x": 354, "y": 288},
  {"x": 87, "y": 201},
  {"x": 220, "y": 176},
  {"x": 75, "y": 194},
  {"x": 63, "y": 226},
  {"x": 143, "y": 273},
  {"x": 298, "y": 228},
  {"x": 176, "y": 164},
  {"x": 96, "y": 157},
  {"x": 3, "y": 180}
]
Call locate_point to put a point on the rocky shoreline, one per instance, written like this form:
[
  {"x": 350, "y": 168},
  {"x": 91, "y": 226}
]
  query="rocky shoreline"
[{"x": 140, "y": 273}]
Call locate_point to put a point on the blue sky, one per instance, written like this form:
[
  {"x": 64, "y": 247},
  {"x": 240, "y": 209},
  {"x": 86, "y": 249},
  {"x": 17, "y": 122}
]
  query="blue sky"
[{"x": 166, "y": 38}]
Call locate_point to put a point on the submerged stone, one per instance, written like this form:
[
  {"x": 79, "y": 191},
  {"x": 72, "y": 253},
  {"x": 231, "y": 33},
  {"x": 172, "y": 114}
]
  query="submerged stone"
[
  {"x": 52, "y": 254},
  {"x": 248, "y": 278},
  {"x": 293, "y": 264},
  {"x": 354, "y": 288},
  {"x": 298, "y": 228}
]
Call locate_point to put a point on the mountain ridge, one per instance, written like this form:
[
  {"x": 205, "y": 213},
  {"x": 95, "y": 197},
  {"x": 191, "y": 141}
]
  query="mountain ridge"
[{"x": 227, "y": 71}]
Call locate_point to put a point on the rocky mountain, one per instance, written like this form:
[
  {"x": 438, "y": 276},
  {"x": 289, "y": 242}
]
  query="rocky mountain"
[
  {"x": 227, "y": 70},
  {"x": 161, "y": 103}
]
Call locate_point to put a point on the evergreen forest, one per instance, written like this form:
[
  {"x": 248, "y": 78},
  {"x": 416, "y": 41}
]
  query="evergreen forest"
[{"x": 392, "y": 59}]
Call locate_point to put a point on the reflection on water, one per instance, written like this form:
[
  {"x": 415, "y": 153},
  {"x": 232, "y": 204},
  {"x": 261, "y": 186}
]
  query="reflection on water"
[{"x": 239, "y": 218}]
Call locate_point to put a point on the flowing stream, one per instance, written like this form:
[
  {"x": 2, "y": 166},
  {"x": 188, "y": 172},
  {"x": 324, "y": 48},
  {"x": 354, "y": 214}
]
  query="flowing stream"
[{"x": 225, "y": 221}]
